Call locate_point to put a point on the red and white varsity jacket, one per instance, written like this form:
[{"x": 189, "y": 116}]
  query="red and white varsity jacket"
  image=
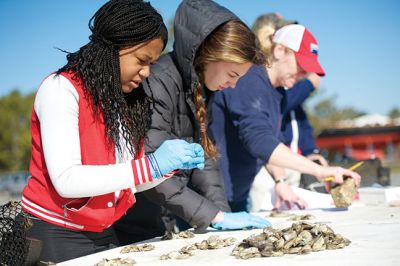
[{"x": 77, "y": 180}]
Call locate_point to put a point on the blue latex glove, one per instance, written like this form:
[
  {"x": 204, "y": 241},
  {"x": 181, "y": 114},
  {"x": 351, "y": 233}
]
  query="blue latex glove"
[
  {"x": 240, "y": 220},
  {"x": 175, "y": 154}
]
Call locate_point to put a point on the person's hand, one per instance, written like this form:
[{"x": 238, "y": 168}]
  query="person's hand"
[
  {"x": 337, "y": 173},
  {"x": 240, "y": 220},
  {"x": 319, "y": 158},
  {"x": 175, "y": 154},
  {"x": 285, "y": 194}
]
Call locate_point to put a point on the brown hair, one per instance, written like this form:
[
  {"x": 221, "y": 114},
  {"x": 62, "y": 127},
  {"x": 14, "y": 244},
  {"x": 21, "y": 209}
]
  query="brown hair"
[
  {"x": 264, "y": 35},
  {"x": 231, "y": 42},
  {"x": 264, "y": 28}
]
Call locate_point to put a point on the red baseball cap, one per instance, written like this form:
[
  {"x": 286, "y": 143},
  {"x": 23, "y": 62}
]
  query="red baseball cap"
[{"x": 304, "y": 45}]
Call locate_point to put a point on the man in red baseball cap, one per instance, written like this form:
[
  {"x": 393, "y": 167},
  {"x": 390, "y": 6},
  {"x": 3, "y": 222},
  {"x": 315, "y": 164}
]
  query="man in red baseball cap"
[
  {"x": 304, "y": 45},
  {"x": 246, "y": 120}
]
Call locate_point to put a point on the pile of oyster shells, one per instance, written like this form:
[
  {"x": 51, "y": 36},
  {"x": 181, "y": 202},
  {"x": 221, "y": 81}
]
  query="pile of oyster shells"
[
  {"x": 213, "y": 242},
  {"x": 300, "y": 238}
]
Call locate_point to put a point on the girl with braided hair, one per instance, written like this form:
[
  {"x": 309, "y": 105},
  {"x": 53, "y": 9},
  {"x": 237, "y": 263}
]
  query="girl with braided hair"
[
  {"x": 88, "y": 125},
  {"x": 212, "y": 50}
]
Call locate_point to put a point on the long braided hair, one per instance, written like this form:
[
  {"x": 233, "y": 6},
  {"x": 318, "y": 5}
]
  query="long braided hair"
[
  {"x": 231, "y": 42},
  {"x": 117, "y": 24}
]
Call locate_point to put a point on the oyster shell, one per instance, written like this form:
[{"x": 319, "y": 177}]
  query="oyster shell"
[
  {"x": 344, "y": 193},
  {"x": 212, "y": 242},
  {"x": 246, "y": 253},
  {"x": 180, "y": 235},
  {"x": 290, "y": 216},
  {"x": 215, "y": 242},
  {"x": 116, "y": 262},
  {"x": 137, "y": 248},
  {"x": 303, "y": 217},
  {"x": 279, "y": 214},
  {"x": 177, "y": 255}
]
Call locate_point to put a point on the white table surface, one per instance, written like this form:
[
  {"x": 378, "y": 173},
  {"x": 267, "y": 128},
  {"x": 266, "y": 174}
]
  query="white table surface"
[{"x": 374, "y": 232}]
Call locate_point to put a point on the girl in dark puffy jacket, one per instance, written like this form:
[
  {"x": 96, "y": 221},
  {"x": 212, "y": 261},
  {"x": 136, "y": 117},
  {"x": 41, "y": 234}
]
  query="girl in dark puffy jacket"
[{"x": 212, "y": 50}]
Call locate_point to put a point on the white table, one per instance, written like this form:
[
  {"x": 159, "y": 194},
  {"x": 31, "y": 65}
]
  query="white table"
[{"x": 374, "y": 232}]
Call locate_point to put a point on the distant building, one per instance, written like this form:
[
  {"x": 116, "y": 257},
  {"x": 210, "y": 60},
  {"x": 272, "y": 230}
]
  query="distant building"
[{"x": 366, "y": 137}]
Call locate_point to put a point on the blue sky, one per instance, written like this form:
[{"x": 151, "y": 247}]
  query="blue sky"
[{"x": 358, "y": 42}]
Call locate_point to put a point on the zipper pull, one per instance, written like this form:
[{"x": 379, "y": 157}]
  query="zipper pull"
[{"x": 65, "y": 210}]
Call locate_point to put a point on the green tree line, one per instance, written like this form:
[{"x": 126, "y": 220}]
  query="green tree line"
[
  {"x": 326, "y": 114},
  {"x": 15, "y": 139}
]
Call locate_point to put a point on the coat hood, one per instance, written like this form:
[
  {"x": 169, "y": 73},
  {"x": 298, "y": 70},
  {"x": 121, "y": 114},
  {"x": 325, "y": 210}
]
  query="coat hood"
[{"x": 194, "y": 21}]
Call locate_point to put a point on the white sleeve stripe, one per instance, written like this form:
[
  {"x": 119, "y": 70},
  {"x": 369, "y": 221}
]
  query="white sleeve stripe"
[
  {"x": 146, "y": 174},
  {"x": 139, "y": 172}
]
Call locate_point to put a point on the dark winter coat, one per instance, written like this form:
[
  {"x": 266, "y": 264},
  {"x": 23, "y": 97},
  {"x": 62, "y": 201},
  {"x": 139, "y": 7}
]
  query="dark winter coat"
[{"x": 246, "y": 128}]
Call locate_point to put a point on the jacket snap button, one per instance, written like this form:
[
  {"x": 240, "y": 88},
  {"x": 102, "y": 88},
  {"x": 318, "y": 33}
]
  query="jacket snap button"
[{"x": 109, "y": 204}]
